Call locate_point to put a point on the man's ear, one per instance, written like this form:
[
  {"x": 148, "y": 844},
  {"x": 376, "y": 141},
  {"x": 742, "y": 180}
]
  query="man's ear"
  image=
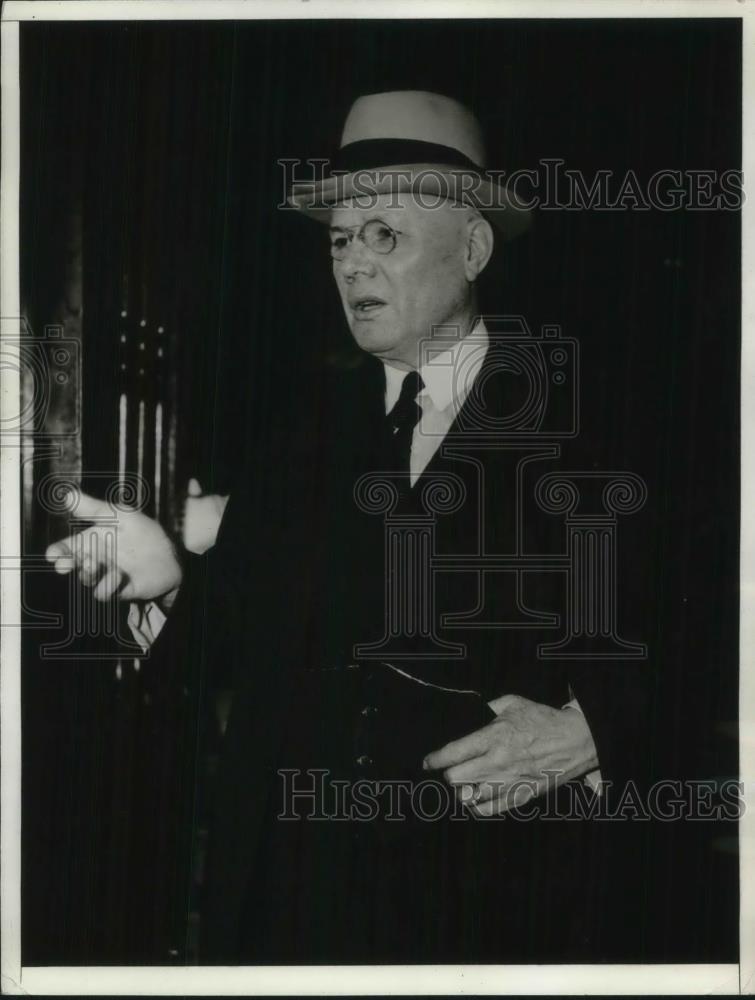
[{"x": 479, "y": 246}]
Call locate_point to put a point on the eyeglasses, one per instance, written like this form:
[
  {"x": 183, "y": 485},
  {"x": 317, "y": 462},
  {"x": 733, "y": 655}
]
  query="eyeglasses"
[{"x": 375, "y": 235}]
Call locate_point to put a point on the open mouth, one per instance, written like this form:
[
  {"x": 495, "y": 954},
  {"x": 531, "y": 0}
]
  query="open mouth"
[{"x": 367, "y": 306}]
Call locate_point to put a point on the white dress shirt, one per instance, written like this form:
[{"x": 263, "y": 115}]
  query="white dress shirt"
[{"x": 448, "y": 376}]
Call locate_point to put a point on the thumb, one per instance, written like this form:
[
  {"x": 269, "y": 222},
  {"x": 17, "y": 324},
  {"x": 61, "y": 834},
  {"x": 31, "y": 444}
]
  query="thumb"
[
  {"x": 86, "y": 507},
  {"x": 194, "y": 489}
]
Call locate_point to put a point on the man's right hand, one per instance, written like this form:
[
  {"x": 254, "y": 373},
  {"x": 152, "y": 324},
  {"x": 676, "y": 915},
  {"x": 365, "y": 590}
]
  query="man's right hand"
[{"x": 124, "y": 553}]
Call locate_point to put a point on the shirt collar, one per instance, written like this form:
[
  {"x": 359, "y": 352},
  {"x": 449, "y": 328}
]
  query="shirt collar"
[{"x": 448, "y": 376}]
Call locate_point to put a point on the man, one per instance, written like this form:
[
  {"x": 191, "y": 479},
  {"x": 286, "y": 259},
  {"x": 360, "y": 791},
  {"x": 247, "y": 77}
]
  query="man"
[{"x": 296, "y": 597}]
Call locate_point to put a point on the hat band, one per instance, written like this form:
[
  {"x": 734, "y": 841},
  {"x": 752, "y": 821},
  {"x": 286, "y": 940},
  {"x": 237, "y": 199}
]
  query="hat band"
[{"x": 371, "y": 154}]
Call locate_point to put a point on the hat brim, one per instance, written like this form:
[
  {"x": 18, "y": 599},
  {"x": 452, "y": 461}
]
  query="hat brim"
[{"x": 432, "y": 183}]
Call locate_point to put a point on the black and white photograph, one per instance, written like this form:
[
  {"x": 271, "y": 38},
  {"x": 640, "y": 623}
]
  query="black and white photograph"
[{"x": 375, "y": 546}]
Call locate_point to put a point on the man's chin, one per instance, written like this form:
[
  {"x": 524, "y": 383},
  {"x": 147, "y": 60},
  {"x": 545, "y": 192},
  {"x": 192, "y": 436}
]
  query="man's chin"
[{"x": 373, "y": 337}]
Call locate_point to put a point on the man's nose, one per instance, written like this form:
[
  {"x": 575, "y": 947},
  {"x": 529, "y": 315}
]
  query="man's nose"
[{"x": 358, "y": 260}]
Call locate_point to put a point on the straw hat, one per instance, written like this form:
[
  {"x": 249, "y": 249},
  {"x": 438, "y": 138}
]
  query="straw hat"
[{"x": 412, "y": 140}]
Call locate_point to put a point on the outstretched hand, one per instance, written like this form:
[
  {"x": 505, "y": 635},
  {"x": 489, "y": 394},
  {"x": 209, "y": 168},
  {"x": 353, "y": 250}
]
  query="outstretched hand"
[{"x": 124, "y": 552}]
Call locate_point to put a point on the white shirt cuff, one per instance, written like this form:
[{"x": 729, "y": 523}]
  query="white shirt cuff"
[
  {"x": 145, "y": 619},
  {"x": 593, "y": 779}
]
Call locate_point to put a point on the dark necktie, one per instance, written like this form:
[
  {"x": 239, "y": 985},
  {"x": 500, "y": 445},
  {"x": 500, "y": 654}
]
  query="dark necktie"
[{"x": 402, "y": 420}]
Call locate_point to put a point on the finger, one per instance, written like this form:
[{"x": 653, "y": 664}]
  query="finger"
[
  {"x": 90, "y": 571},
  {"x": 108, "y": 584},
  {"x": 512, "y": 796},
  {"x": 89, "y": 577},
  {"x": 86, "y": 507},
  {"x": 499, "y": 705},
  {"x": 470, "y": 771},
  {"x": 488, "y": 790},
  {"x": 497, "y": 764},
  {"x": 93, "y": 555},
  {"x": 485, "y": 810},
  {"x": 468, "y": 747},
  {"x": 476, "y": 792},
  {"x": 85, "y": 548},
  {"x": 127, "y": 588},
  {"x": 194, "y": 489},
  {"x": 67, "y": 551},
  {"x": 59, "y": 550},
  {"x": 112, "y": 567}
]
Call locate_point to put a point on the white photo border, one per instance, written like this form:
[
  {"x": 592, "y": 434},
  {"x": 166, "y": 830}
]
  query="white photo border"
[{"x": 723, "y": 979}]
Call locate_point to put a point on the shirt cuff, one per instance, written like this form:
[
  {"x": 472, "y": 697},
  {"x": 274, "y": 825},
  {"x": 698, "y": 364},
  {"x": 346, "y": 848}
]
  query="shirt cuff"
[
  {"x": 593, "y": 779},
  {"x": 145, "y": 619}
]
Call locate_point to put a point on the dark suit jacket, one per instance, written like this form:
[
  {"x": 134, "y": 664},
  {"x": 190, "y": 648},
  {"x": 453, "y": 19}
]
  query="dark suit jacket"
[{"x": 296, "y": 579}]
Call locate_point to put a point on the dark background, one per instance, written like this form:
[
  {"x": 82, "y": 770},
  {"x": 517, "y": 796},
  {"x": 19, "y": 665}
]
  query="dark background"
[{"x": 162, "y": 139}]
